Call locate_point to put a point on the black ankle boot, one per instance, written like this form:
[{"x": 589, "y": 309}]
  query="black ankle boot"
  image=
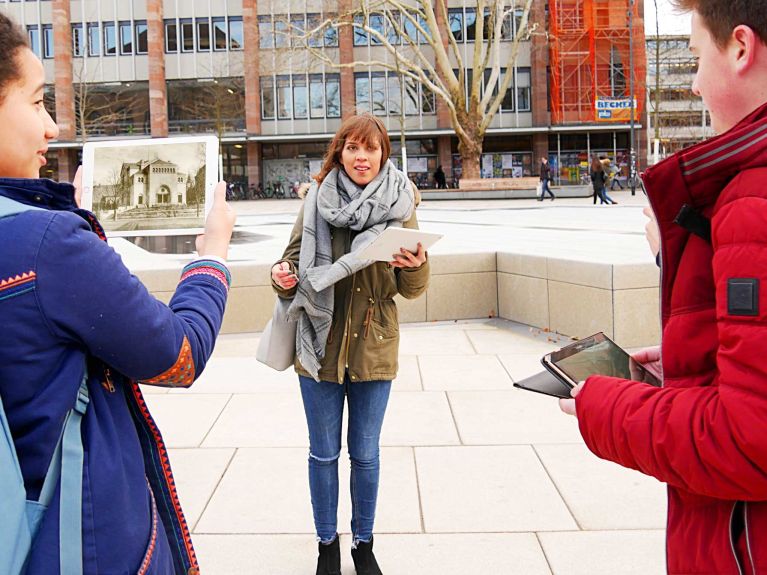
[
  {"x": 329, "y": 560},
  {"x": 364, "y": 560}
]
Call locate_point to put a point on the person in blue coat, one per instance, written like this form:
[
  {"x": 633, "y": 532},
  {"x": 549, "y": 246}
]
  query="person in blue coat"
[{"x": 66, "y": 299}]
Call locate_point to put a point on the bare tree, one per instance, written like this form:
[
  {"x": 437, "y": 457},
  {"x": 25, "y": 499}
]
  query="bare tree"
[
  {"x": 97, "y": 111},
  {"x": 425, "y": 52}
]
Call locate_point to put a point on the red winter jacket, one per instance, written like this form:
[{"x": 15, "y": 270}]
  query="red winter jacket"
[{"x": 705, "y": 432}]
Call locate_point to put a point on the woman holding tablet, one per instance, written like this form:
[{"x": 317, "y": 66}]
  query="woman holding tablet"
[
  {"x": 79, "y": 333},
  {"x": 348, "y": 333}
]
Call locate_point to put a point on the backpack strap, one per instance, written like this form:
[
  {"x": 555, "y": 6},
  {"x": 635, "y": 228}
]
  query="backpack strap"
[
  {"x": 67, "y": 463},
  {"x": 9, "y": 207},
  {"x": 694, "y": 222}
]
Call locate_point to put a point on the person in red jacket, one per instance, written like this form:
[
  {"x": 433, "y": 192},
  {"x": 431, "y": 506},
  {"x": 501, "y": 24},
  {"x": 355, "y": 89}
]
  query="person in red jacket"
[{"x": 704, "y": 432}]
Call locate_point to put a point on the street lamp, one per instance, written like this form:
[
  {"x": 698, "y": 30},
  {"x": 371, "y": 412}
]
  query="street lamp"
[{"x": 632, "y": 150}]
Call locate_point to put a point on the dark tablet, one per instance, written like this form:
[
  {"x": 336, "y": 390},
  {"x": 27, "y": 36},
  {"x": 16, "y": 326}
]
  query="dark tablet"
[{"x": 545, "y": 383}]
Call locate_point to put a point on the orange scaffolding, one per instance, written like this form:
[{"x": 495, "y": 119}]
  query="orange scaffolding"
[{"x": 589, "y": 59}]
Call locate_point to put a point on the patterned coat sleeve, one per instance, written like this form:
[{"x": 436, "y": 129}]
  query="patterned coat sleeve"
[{"x": 88, "y": 297}]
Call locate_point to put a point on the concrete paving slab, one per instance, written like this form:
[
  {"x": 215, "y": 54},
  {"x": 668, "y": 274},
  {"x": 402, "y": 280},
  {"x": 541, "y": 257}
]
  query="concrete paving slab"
[
  {"x": 605, "y": 552},
  {"x": 503, "y": 342},
  {"x": 461, "y": 554},
  {"x": 261, "y": 420},
  {"x": 602, "y": 495},
  {"x": 488, "y": 490},
  {"x": 409, "y": 374},
  {"x": 474, "y": 372},
  {"x": 419, "y": 419},
  {"x": 511, "y": 417},
  {"x": 267, "y": 491},
  {"x": 185, "y": 420},
  {"x": 435, "y": 342},
  {"x": 197, "y": 473},
  {"x": 240, "y": 375},
  {"x": 522, "y": 365}
]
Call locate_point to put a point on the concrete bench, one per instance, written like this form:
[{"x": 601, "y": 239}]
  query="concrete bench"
[
  {"x": 483, "y": 184},
  {"x": 574, "y": 298}
]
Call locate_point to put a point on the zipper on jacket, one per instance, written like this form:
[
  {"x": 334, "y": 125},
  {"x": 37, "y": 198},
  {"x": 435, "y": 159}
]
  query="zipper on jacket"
[
  {"x": 732, "y": 543},
  {"x": 348, "y": 330},
  {"x": 368, "y": 317},
  {"x": 748, "y": 538},
  {"x": 107, "y": 383}
]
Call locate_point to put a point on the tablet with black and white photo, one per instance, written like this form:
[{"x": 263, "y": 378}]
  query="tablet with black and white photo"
[{"x": 161, "y": 186}]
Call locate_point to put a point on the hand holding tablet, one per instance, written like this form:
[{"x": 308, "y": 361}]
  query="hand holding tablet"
[
  {"x": 594, "y": 355},
  {"x": 392, "y": 240}
]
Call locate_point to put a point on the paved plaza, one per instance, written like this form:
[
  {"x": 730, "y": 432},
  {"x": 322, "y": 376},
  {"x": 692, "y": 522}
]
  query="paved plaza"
[{"x": 477, "y": 477}]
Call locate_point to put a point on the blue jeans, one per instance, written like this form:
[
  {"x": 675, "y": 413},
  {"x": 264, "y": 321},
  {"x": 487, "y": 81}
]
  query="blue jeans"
[{"x": 324, "y": 407}]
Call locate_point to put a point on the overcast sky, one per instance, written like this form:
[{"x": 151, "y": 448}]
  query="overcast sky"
[{"x": 670, "y": 22}]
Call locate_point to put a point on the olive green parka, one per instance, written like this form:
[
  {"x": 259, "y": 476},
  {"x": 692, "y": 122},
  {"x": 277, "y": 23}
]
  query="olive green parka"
[{"x": 364, "y": 336}]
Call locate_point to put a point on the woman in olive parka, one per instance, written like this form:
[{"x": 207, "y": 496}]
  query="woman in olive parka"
[{"x": 348, "y": 332}]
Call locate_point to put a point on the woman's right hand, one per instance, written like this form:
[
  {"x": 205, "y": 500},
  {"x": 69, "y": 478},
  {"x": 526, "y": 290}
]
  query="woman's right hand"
[
  {"x": 282, "y": 276},
  {"x": 218, "y": 226}
]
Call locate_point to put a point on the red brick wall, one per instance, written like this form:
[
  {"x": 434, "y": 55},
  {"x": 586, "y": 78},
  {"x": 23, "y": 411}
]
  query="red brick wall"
[
  {"x": 62, "y": 48},
  {"x": 346, "y": 51},
  {"x": 158, "y": 92},
  {"x": 252, "y": 69}
]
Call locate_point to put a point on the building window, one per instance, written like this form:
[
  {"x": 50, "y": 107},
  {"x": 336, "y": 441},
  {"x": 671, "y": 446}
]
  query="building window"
[
  {"x": 360, "y": 36},
  {"x": 297, "y": 30},
  {"x": 331, "y": 35},
  {"x": 203, "y": 35},
  {"x": 171, "y": 37},
  {"x": 382, "y": 94},
  {"x": 142, "y": 41},
  {"x": 110, "y": 40},
  {"x": 235, "y": 33},
  {"x": 470, "y": 18},
  {"x": 333, "y": 95},
  {"x": 265, "y": 32},
  {"x": 281, "y": 32},
  {"x": 94, "y": 39},
  {"x": 78, "y": 40},
  {"x": 34, "y": 39},
  {"x": 219, "y": 34},
  {"x": 376, "y": 25},
  {"x": 283, "y": 97},
  {"x": 523, "y": 89},
  {"x": 299, "y": 97},
  {"x": 267, "y": 98},
  {"x": 316, "y": 96},
  {"x": 187, "y": 35},
  {"x": 126, "y": 38}
]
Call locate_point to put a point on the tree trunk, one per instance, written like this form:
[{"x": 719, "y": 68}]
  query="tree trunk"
[{"x": 471, "y": 151}]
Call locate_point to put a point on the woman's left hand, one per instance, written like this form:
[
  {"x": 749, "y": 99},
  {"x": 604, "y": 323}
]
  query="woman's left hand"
[{"x": 406, "y": 259}]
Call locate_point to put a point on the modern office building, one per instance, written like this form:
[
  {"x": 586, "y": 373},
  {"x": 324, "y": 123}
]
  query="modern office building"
[
  {"x": 139, "y": 68},
  {"x": 676, "y": 118}
]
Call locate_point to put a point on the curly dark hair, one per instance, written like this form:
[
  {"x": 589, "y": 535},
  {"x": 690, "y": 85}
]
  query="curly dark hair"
[
  {"x": 723, "y": 16},
  {"x": 12, "y": 38}
]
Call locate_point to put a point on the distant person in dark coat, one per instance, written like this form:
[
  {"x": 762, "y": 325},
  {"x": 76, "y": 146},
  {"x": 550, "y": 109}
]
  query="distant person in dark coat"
[
  {"x": 439, "y": 179},
  {"x": 545, "y": 179}
]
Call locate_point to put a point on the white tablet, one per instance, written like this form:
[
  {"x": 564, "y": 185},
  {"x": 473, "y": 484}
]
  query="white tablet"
[
  {"x": 391, "y": 240},
  {"x": 150, "y": 187}
]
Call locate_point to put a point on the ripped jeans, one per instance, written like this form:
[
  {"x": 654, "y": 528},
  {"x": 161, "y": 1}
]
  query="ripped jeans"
[{"x": 324, "y": 407}]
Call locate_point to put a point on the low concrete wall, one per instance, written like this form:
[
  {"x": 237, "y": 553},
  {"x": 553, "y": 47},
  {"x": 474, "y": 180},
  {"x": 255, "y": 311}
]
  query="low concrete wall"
[{"x": 575, "y": 298}]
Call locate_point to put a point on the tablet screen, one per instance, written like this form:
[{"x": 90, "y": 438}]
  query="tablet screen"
[{"x": 599, "y": 355}]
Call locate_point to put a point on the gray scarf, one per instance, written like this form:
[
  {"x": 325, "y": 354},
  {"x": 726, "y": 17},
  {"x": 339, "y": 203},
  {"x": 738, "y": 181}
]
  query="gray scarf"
[{"x": 388, "y": 200}]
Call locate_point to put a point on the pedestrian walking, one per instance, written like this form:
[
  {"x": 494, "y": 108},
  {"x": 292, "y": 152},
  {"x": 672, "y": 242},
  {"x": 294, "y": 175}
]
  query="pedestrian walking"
[
  {"x": 348, "y": 332},
  {"x": 702, "y": 432},
  {"x": 86, "y": 482},
  {"x": 545, "y": 178},
  {"x": 439, "y": 179}
]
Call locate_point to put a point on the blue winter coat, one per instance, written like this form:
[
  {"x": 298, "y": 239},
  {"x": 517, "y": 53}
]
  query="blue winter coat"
[{"x": 65, "y": 295}]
